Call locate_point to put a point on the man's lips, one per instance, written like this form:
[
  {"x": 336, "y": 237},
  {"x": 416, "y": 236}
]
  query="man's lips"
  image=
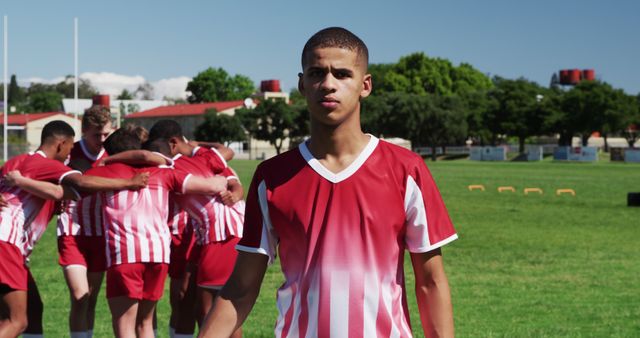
[{"x": 329, "y": 102}]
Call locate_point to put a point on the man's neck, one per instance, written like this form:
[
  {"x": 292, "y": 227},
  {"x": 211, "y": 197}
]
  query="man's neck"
[
  {"x": 47, "y": 151},
  {"x": 93, "y": 152},
  {"x": 336, "y": 148}
]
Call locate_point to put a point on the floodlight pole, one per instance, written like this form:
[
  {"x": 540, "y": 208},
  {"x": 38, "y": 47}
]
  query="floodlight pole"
[
  {"x": 75, "y": 61},
  {"x": 6, "y": 92}
]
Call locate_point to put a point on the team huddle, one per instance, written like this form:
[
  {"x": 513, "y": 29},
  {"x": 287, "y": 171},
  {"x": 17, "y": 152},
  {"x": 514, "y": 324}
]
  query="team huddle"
[
  {"x": 158, "y": 205},
  {"x": 338, "y": 211}
]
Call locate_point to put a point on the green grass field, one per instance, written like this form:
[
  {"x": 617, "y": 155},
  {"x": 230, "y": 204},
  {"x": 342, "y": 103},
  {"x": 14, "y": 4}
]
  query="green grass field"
[{"x": 524, "y": 266}]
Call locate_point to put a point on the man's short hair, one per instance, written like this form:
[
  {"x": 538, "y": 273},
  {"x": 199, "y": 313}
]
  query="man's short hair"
[
  {"x": 54, "y": 129},
  {"x": 336, "y": 37},
  {"x": 165, "y": 129},
  {"x": 159, "y": 145},
  {"x": 121, "y": 140},
  {"x": 96, "y": 116}
]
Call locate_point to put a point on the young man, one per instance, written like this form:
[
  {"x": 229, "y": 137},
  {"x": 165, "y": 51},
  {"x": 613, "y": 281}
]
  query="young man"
[
  {"x": 340, "y": 210},
  {"x": 26, "y": 216},
  {"x": 81, "y": 243},
  {"x": 138, "y": 237},
  {"x": 217, "y": 219}
]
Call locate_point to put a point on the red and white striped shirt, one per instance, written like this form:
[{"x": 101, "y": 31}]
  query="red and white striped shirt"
[
  {"x": 135, "y": 222},
  {"x": 341, "y": 238},
  {"x": 82, "y": 217},
  {"x": 17, "y": 224},
  {"x": 213, "y": 220}
]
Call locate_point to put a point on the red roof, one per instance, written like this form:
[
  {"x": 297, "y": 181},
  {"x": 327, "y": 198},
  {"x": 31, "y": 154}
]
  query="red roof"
[
  {"x": 22, "y": 119},
  {"x": 186, "y": 109}
]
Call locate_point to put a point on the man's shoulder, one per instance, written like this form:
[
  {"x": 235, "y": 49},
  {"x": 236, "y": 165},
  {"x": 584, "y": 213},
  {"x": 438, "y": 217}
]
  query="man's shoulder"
[
  {"x": 395, "y": 152},
  {"x": 280, "y": 161}
]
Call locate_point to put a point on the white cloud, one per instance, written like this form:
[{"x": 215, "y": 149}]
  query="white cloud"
[
  {"x": 113, "y": 84},
  {"x": 172, "y": 88}
]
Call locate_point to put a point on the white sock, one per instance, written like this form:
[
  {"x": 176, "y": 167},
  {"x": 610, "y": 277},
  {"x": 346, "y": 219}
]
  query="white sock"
[
  {"x": 183, "y": 335},
  {"x": 32, "y": 335},
  {"x": 79, "y": 334},
  {"x": 172, "y": 332}
]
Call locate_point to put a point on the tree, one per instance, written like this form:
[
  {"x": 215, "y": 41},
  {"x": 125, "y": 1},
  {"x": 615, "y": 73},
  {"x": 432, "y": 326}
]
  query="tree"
[
  {"x": 15, "y": 94},
  {"x": 215, "y": 84},
  {"x": 144, "y": 91},
  {"x": 220, "y": 128},
  {"x": 125, "y": 95},
  {"x": 45, "y": 102},
  {"x": 426, "y": 120},
  {"x": 596, "y": 106},
  {"x": 419, "y": 74},
  {"x": 517, "y": 109},
  {"x": 271, "y": 120},
  {"x": 66, "y": 88}
]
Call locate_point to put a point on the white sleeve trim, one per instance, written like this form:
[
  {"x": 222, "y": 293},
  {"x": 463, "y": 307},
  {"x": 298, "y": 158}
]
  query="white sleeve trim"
[
  {"x": 253, "y": 250},
  {"x": 268, "y": 239},
  {"x": 184, "y": 183},
  {"x": 436, "y": 245},
  {"x": 220, "y": 156},
  {"x": 68, "y": 173}
]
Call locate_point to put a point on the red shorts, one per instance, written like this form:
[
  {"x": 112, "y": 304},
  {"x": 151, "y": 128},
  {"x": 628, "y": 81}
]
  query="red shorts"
[
  {"x": 13, "y": 272},
  {"x": 88, "y": 251},
  {"x": 181, "y": 249},
  {"x": 142, "y": 281},
  {"x": 216, "y": 263}
]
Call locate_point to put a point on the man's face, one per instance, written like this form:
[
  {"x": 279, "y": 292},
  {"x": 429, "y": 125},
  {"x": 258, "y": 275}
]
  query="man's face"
[
  {"x": 94, "y": 136},
  {"x": 333, "y": 82},
  {"x": 64, "y": 148}
]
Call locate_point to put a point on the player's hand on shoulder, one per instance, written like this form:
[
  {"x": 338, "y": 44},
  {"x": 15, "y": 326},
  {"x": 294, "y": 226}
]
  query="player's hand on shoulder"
[
  {"x": 139, "y": 181},
  {"x": 12, "y": 178}
]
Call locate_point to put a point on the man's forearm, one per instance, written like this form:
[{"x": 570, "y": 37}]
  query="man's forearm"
[
  {"x": 433, "y": 294},
  {"x": 41, "y": 189},
  {"x": 91, "y": 184}
]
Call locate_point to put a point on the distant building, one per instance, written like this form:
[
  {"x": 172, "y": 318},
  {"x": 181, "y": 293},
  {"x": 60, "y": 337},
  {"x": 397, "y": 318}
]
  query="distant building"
[{"x": 24, "y": 130}]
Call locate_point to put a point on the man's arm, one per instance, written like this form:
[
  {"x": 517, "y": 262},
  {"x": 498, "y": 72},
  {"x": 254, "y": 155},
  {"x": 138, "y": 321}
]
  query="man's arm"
[
  {"x": 137, "y": 157},
  {"x": 93, "y": 184},
  {"x": 226, "y": 152},
  {"x": 236, "y": 299},
  {"x": 42, "y": 189},
  {"x": 234, "y": 192},
  {"x": 432, "y": 292},
  {"x": 205, "y": 186}
]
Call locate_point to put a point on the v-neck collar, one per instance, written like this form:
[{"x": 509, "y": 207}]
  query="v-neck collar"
[
  {"x": 88, "y": 154},
  {"x": 346, "y": 172}
]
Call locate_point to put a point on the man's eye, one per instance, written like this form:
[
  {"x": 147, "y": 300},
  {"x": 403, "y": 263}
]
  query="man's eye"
[{"x": 342, "y": 75}]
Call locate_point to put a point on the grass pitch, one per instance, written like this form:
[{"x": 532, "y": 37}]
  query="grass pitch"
[{"x": 524, "y": 266}]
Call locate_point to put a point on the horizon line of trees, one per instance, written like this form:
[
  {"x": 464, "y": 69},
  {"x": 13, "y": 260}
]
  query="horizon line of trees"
[{"x": 434, "y": 103}]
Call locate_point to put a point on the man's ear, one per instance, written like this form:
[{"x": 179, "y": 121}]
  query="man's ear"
[
  {"x": 300, "y": 84},
  {"x": 367, "y": 86}
]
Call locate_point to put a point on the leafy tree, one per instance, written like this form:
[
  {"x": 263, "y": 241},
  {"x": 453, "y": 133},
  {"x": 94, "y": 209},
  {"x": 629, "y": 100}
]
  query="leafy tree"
[
  {"x": 125, "y": 95},
  {"x": 45, "y": 102},
  {"x": 426, "y": 120},
  {"x": 271, "y": 120},
  {"x": 15, "y": 94},
  {"x": 220, "y": 128},
  {"x": 517, "y": 109},
  {"x": 596, "y": 106},
  {"x": 66, "y": 88},
  {"x": 215, "y": 84},
  {"x": 144, "y": 91}
]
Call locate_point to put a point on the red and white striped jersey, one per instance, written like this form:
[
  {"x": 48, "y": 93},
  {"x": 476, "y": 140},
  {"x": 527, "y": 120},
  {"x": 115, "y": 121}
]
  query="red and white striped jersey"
[
  {"x": 178, "y": 218},
  {"x": 213, "y": 221},
  {"x": 341, "y": 238},
  {"x": 16, "y": 219},
  {"x": 135, "y": 222},
  {"x": 82, "y": 217}
]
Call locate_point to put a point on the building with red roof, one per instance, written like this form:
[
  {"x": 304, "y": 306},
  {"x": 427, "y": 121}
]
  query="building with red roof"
[{"x": 24, "y": 129}]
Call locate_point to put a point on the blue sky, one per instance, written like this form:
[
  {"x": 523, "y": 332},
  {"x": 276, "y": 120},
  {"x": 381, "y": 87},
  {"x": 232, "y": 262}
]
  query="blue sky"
[{"x": 172, "y": 41}]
